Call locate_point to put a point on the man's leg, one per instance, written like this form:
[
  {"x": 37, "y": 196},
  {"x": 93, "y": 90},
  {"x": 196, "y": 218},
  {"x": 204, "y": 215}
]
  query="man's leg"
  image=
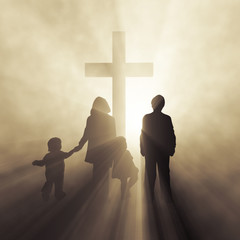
[
  {"x": 150, "y": 176},
  {"x": 164, "y": 176}
]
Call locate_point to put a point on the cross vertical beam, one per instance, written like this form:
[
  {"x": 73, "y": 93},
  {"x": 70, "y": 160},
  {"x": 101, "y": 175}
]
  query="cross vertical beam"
[
  {"x": 119, "y": 84},
  {"x": 119, "y": 70}
]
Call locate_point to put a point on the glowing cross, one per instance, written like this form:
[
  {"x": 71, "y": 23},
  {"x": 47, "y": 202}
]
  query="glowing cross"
[{"x": 118, "y": 70}]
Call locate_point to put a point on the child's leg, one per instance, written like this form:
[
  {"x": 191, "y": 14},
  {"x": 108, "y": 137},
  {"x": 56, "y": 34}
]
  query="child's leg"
[
  {"x": 123, "y": 186},
  {"x": 133, "y": 179},
  {"x": 59, "y": 194},
  {"x": 46, "y": 190}
]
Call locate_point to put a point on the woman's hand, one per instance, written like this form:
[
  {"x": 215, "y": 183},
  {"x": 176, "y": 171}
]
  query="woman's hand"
[{"x": 77, "y": 148}]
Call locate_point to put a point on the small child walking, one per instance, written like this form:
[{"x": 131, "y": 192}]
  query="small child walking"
[
  {"x": 123, "y": 166},
  {"x": 54, "y": 162}
]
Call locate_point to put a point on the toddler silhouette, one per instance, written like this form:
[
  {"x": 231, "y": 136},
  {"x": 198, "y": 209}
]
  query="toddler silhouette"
[{"x": 54, "y": 163}]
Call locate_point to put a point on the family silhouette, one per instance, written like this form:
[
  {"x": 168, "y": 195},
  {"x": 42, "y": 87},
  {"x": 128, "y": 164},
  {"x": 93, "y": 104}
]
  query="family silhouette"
[{"x": 105, "y": 150}]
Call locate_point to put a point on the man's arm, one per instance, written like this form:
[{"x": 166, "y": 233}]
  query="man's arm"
[
  {"x": 142, "y": 140},
  {"x": 172, "y": 138}
]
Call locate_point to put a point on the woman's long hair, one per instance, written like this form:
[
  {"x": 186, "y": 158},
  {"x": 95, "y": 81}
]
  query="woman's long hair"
[{"x": 100, "y": 105}]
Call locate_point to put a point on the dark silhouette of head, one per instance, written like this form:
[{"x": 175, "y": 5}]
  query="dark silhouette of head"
[
  {"x": 100, "y": 104},
  {"x": 54, "y": 144},
  {"x": 158, "y": 103}
]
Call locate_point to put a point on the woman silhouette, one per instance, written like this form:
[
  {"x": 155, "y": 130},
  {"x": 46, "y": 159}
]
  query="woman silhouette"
[{"x": 99, "y": 131}]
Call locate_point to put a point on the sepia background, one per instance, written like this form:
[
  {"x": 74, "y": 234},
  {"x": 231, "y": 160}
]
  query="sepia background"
[{"x": 194, "y": 46}]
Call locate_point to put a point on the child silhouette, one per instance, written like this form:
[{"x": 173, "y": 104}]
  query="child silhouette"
[
  {"x": 54, "y": 162},
  {"x": 123, "y": 166}
]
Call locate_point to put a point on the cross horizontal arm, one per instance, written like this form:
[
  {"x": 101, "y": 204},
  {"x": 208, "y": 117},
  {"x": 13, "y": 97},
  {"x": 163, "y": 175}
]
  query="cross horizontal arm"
[
  {"x": 98, "y": 70},
  {"x": 139, "y": 69}
]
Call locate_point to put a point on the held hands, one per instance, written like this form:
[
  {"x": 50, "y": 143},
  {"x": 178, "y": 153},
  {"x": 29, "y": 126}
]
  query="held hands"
[{"x": 77, "y": 148}]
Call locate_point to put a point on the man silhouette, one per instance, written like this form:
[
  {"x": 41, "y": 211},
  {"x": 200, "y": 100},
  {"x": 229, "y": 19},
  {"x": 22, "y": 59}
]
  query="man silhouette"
[{"x": 157, "y": 143}]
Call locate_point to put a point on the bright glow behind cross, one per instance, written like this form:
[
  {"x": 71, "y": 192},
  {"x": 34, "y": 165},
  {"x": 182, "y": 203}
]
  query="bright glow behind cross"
[{"x": 119, "y": 70}]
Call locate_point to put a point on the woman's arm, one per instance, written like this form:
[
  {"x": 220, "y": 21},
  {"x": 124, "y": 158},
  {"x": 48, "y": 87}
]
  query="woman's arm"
[
  {"x": 70, "y": 153},
  {"x": 84, "y": 138}
]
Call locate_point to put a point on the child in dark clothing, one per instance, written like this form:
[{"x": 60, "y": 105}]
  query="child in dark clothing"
[
  {"x": 123, "y": 166},
  {"x": 54, "y": 162}
]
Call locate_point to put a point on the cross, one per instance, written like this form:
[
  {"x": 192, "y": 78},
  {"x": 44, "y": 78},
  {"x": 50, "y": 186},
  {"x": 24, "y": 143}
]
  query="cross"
[{"x": 118, "y": 70}]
